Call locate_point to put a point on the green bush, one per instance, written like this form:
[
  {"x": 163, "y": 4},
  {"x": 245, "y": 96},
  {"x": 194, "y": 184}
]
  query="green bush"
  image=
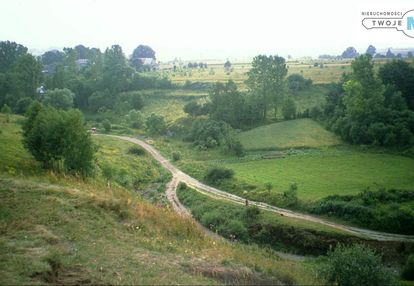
[
  {"x": 135, "y": 150},
  {"x": 22, "y": 105},
  {"x": 6, "y": 109},
  {"x": 355, "y": 265},
  {"x": 59, "y": 139},
  {"x": 156, "y": 124},
  {"x": 234, "y": 229},
  {"x": 216, "y": 175},
  {"x": 176, "y": 156},
  {"x": 106, "y": 124},
  {"x": 408, "y": 270}
]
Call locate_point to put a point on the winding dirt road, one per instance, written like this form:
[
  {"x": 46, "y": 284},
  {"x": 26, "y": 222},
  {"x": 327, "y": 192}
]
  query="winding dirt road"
[{"x": 179, "y": 176}]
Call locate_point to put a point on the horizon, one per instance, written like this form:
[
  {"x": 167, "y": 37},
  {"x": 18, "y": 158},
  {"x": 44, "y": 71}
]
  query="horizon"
[{"x": 234, "y": 30}]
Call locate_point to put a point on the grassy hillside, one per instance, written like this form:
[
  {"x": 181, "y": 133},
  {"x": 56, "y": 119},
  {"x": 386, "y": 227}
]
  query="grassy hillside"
[
  {"x": 333, "y": 171},
  {"x": 59, "y": 229},
  {"x": 288, "y": 134}
]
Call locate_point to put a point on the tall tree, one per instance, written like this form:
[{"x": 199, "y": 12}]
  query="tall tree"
[
  {"x": 140, "y": 52},
  {"x": 266, "y": 80},
  {"x": 9, "y": 52},
  {"x": 116, "y": 72},
  {"x": 350, "y": 53},
  {"x": 27, "y": 73},
  {"x": 371, "y": 50},
  {"x": 399, "y": 74}
]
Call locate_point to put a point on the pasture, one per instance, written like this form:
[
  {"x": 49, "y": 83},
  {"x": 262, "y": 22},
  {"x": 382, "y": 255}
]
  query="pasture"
[
  {"x": 288, "y": 134},
  {"x": 333, "y": 171}
]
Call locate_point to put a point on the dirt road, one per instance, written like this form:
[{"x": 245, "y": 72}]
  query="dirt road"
[{"x": 179, "y": 176}]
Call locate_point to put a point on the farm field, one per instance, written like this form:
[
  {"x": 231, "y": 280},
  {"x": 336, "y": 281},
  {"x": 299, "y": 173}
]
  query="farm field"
[
  {"x": 324, "y": 173},
  {"x": 288, "y": 134},
  {"x": 331, "y": 71}
]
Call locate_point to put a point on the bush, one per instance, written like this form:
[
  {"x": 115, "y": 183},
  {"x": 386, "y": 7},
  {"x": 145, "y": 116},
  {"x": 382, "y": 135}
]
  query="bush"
[
  {"x": 355, "y": 265},
  {"x": 106, "y": 124},
  {"x": 297, "y": 82},
  {"x": 234, "y": 229},
  {"x": 135, "y": 150},
  {"x": 135, "y": 119},
  {"x": 156, "y": 124},
  {"x": 22, "y": 105},
  {"x": 408, "y": 270},
  {"x": 58, "y": 139},
  {"x": 216, "y": 175},
  {"x": 176, "y": 156},
  {"x": 59, "y": 98},
  {"x": 6, "y": 109}
]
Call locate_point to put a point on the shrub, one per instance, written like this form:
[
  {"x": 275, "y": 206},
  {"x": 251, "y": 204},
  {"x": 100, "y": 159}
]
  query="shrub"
[
  {"x": 234, "y": 229},
  {"x": 135, "y": 150},
  {"x": 355, "y": 265},
  {"x": 216, "y": 175},
  {"x": 408, "y": 270},
  {"x": 106, "y": 124},
  {"x": 6, "y": 109},
  {"x": 59, "y": 98},
  {"x": 22, "y": 105},
  {"x": 156, "y": 124},
  {"x": 58, "y": 139},
  {"x": 176, "y": 156}
]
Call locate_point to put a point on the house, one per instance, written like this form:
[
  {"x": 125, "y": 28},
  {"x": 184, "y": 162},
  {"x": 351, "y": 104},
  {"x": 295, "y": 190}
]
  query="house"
[
  {"x": 149, "y": 63},
  {"x": 81, "y": 63}
]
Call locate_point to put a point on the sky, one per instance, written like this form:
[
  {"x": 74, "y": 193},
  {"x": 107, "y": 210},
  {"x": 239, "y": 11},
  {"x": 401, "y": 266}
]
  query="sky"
[{"x": 195, "y": 29}]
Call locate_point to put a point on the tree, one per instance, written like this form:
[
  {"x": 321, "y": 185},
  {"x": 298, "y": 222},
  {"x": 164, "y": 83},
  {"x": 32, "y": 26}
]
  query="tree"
[
  {"x": 6, "y": 109},
  {"x": 226, "y": 103},
  {"x": 193, "y": 108},
  {"x": 399, "y": 74},
  {"x": 371, "y": 50},
  {"x": 22, "y": 105},
  {"x": 116, "y": 72},
  {"x": 266, "y": 80},
  {"x": 27, "y": 75},
  {"x": 227, "y": 66},
  {"x": 52, "y": 57},
  {"x": 156, "y": 124},
  {"x": 297, "y": 82},
  {"x": 9, "y": 53},
  {"x": 389, "y": 54},
  {"x": 355, "y": 265},
  {"x": 59, "y": 98},
  {"x": 289, "y": 109},
  {"x": 350, "y": 53},
  {"x": 106, "y": 124},
  {"x": 58, "y": 139},
  {"x": 142, "y": 51}
]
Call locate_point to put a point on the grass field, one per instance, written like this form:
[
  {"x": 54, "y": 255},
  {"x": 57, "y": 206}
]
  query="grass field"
[
  {"x": 322, "y": 173},
  {"x": 288, "y": 134},
  {"x": 58, "y": 229}
]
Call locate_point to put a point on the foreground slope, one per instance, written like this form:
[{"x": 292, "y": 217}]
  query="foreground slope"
[{"x": 62, "y": 230}]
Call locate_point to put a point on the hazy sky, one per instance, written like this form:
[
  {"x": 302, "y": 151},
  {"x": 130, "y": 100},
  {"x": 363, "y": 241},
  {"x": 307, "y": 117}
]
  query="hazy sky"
[{"x": 193, "y": 29}]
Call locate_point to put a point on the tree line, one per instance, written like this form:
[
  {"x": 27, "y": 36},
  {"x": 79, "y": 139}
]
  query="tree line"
[
  {"x": 369, "y": 107},
  {"x": 92, "y": 79}
]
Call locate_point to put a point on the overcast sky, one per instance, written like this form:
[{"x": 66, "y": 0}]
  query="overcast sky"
[{"x": 193, "y": 29}]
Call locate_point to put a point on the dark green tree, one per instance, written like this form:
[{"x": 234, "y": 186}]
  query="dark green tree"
[
  {"x": 9, "y": 53},
  {"x": 266, "y": 80},
  {"x": 156, "y": 124},
  {"x": 59, "y": 98}
]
